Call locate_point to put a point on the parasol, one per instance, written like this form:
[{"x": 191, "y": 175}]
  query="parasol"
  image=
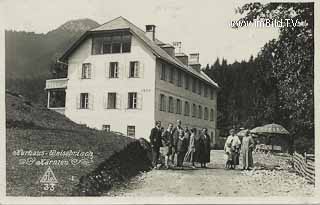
[{"x": 270, "y": 129}]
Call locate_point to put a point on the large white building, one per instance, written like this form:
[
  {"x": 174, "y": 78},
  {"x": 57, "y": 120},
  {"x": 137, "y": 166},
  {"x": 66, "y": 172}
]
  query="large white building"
[{"x": 123, "y": 79}]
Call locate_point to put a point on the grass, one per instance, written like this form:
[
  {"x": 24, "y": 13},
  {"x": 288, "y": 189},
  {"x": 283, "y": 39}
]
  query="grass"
[{"x": 34, "y": 127}]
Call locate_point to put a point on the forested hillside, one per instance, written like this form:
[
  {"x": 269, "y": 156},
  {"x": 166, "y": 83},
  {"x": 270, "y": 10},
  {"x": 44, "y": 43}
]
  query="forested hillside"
[
  {"x": 276, "y": 86},
  {"x": 29, "y": 56}
]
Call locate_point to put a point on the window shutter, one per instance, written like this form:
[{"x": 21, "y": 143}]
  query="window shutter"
[
  {"x": 79, "y": 71},
  {"x": 139, "y": 101},
  {"x": 140, "y": 69},
  {"x": 160, "y": 103},
  {"x": 174, "y": 105},
  {"x": 91, "y": 101},
  {"x": 118, "y": 101},
  {"x": 105, "y": 101},
  {"x": 125, "y": 101},
  {"x": 127, "y": 70},
  {"x": 78, "y": 101},
  {"x": 120, "y": 71},
  {"x": 107, "y": 69},
  {"x": 91, "y": 71}
]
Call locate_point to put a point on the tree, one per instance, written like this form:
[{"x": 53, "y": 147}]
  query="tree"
[{"x": 290, "y": 59}]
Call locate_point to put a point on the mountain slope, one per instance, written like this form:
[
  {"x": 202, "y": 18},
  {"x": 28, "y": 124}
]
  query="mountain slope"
[{"x": 30, "y": 55}]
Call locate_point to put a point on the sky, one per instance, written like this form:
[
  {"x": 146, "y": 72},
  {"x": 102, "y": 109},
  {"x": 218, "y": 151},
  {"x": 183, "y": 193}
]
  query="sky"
[{"x": 203, "y": 26}]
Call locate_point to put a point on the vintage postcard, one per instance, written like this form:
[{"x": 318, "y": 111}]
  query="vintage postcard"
[{"x": 159, "y": 101}]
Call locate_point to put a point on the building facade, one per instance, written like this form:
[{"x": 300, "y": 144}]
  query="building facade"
[{"x": 122, "y": 79}]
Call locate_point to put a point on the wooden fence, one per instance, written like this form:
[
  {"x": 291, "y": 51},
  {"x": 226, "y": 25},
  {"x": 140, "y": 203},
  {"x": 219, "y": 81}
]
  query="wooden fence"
[{"x": 304, "y": 165}]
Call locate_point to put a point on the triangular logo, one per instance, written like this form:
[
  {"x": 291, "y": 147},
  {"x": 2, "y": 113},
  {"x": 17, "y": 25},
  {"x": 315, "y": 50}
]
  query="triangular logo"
[{"x": 48, "y": 177}]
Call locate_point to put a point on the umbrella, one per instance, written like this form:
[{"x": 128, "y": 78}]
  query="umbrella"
[{"x": 270, "y": 129}]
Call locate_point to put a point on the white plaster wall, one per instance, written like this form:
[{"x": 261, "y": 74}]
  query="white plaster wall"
[
  {"x": 99, "y": 85},
  {"x": 169, "y": 89}
]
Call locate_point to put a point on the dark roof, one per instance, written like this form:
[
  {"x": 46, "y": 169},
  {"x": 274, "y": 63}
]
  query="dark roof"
[{"x": 121, "y": 23}]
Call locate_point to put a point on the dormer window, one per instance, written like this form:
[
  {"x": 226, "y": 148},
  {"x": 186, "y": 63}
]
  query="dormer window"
[{"x": 117, "y": 42}]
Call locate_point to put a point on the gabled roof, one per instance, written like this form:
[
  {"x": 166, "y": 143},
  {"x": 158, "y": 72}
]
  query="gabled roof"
[{"x": 121, "y": 23}]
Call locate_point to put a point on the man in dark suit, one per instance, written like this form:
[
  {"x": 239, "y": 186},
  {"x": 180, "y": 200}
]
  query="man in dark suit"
[
  {"x": 155, "y": 140},
  {"x": 175, "y": 135}
]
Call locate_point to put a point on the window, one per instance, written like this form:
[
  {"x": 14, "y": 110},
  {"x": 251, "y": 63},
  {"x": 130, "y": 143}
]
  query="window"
[
  {"x": 86, "y": 71},
  {"x": 179, "y": 106},
  {"x": 186, "y": 109},
  {"x": 134, "y": 69},
  {"x": 106, "y": 128},
  {"x": 131, "y": 131},
  {"x": 211, "y": 115},
  {"x": 186, "y": 81},
  {"x": 132, "y": 100},
  {"x": 200, "y": 112},
  {"x": 199, "y": 88},
  {"x": 114, "y": 70},
  {"x": 171, "y": 75},
  {"x": 179, "y": 83},
  {"x": 163, "y": 75},
  {"x": 194, "y": 110},
  {"x": 112, "y": 100},
  {"x": 84, "y": 100},
  {"x": 107, "y": 41},
  {"x": 126, "y": 42},
  {"x": 211, "y": 94},
  {"x": 117, "y": 42},
  {"x": 205, "y": 91},
  {"x": 206, "y": 113},
  {"x": 171, "y": 109},
  {"x": 163, "y": 103},
  {"x": 57, "y": 98},
  {"x": 97, "y": 45},
  {"x": 194, "y": 85}
]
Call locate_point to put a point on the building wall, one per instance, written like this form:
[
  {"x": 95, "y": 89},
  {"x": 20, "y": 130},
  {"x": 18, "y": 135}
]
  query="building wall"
[
  {"x": 99, "y": 85},
  {"x": 169, "y": 89}
]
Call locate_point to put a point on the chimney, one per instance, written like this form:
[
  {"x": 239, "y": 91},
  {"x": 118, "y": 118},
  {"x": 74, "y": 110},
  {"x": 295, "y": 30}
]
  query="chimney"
[
  {"x": 151, "y": 32},
  {"x": 182, "y": 57},
  {"x": 194, "y": 61},
  {"x": 168, "y": 48}
]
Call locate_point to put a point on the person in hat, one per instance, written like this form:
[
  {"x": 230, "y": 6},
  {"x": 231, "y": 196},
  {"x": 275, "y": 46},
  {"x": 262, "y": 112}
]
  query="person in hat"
[
  {"x": 155, "y": 141},
  {"x": 246, "y": 151},
  {"x": 167, "y": 142},
  {"x": 182, "y": 146},
  {"x": 176, "y": 132},
  {"x": 204, "y": 148},
  {"x": 232, "y": 149},
  {"x": 190, "y": 155}
]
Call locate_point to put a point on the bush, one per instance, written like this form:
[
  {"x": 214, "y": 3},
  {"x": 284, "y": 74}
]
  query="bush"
[{"x": 121, "y": 166}]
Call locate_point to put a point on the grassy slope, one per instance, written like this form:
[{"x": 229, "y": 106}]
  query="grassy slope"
[{"x": 32, "y": 127}]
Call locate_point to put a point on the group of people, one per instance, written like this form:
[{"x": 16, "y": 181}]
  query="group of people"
[
  {"x": 177, "y": 145},
  {"x": 234, "y": 147}
]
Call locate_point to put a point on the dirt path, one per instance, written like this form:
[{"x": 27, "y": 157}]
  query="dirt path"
[{"x": 214, "y": 181}]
